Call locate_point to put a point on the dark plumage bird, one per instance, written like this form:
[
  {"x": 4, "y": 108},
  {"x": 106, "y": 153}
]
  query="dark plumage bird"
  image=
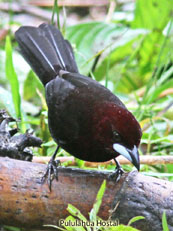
[{"x": 85, "y": 118}]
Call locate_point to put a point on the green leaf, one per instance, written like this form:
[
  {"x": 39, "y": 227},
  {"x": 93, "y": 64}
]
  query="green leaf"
[
  {"x": 12, "y": 77},
  {"x": 164, "y": 222},
  {"x": 32, "y": 83},
  {"x": 134, "y": 219},
  {"x": 6, "y": 101},
  {"x": 69, "y": 218},
  {"x": 152, "y": 14},
  {"x": 75, "y": 212},
  {"x": 149, "y": 51},
  {"x": 161, "y": 85},
  {"x": 99, "y": 37},
  {"x": 49, "y": 143},
  {"x": 97, "y": 204}
]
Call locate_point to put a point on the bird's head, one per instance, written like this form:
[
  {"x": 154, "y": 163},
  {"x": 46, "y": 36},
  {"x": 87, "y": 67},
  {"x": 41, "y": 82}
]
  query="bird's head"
[
  {"x": 126, "y": 135},
  {"x": 124, "y": 131}
]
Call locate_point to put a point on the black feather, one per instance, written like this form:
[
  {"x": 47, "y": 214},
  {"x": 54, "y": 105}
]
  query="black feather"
[{"x": 46, "y": 51}]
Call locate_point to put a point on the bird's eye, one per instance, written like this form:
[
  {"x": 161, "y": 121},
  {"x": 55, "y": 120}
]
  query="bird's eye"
[{"x": 116, "y": 137}]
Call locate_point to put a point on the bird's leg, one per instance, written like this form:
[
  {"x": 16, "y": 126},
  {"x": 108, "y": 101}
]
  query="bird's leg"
[
  {"x": 51, "y": 170},
  {"x": 118, "y": 171}
]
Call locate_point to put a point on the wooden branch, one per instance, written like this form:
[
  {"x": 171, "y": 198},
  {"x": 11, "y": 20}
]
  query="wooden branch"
[
  {"x": 76, "y": 3},
  {"x": 26, "y": 202},
  {"x": 33, "y": 10},
  {"x": 147, "y": 159}
]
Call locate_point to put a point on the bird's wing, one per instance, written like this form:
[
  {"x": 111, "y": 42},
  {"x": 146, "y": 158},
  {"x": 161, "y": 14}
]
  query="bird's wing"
[{"x": 93, "y": 87}]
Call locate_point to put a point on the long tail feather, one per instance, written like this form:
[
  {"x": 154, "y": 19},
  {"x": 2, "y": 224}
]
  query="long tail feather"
[{"x": 46, "y": 51}]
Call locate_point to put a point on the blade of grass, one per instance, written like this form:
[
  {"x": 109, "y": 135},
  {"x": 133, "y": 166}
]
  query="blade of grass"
[
  {"x": 107, "y": 70},
  {"x": 164, "y": 222},
  {"x": 10, "y": 13},
  {"x": 161, "y": 50},
  {"x": 97, "y": 204},
  {"x": 12, "y": 77},
  {"x": 76, "y": 212},
  {"x": 63, "y": 29},
  {"x": 134, "y": 219},
  {"x": 55, "y": 11},
  {"x": 131, "y": 58}
]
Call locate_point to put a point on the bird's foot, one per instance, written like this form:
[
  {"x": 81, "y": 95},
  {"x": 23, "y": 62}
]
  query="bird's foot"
[
  {"x": 117, "y": 174},
  {"x": 51, "y": 172}
]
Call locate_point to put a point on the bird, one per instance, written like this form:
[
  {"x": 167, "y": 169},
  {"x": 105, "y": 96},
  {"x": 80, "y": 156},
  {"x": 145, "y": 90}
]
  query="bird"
[{"x": 85, "y": 118}]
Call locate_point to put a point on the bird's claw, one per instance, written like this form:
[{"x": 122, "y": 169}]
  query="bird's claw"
[
  {"x": 51, "y": 172},
  {"x": 117, "y": 174}
]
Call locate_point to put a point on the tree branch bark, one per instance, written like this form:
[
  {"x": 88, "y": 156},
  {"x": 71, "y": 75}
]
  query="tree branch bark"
[{"x": 26, "y": 202}]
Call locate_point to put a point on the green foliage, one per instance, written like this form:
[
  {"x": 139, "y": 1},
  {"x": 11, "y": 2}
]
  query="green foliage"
[
  {"x": 152, "y": 14},
  {"x": 75, "y": 212},
  {"x": 142, "y": 60},
  {"x": 99, "y": 37},
  {"x": 94, "y": 211},
  {"x": 55, "y": 11},
  {"x": 162, "y": 84},
  {"x": 134, "y": 219},
  {"x": 6, "y": 101},
  {"x": 12, "y": 77},
  {"x": 31, "y": 84}
]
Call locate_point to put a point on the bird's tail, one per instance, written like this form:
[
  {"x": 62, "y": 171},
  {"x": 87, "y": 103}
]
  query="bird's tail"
[{"x": 45, "y": 49}]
